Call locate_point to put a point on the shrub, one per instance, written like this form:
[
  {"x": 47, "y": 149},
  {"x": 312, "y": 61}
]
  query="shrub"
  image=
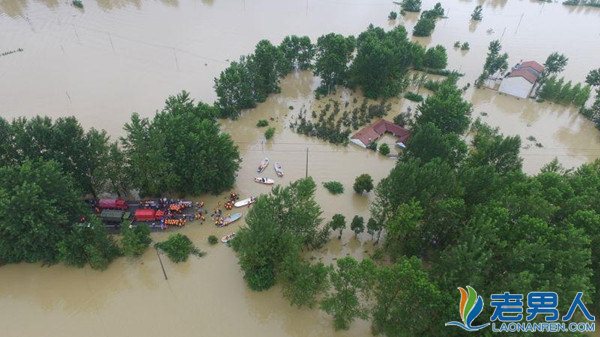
[
  {"x": 384, "y": 149},
  {"x": 262, "y": 123},
  {"x": 413, "y": 97},
  {"x": 334, "y": 187},
  {"x": 178, "y": 248},
  {"x": 393, "y": 15},
  {"x": 465, "y": 46},
  {"x": 213, "y": 240},
  {"x": 372, "y": 146},
  {"x": 135, "y": 239},
  {"x": 363, "y": 183},
  {"x": 457, "y": 44},
  {"x": 269, "y": 133},
  {"x": 78, "y": 3}
]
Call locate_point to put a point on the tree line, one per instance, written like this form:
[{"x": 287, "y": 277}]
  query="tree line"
[
  {"x": 376, "y": 61},
  {"x": 48, "y": 167}
]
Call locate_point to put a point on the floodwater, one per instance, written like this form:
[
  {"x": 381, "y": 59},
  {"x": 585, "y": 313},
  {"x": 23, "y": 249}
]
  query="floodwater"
[{"x": 119, "y": 56}]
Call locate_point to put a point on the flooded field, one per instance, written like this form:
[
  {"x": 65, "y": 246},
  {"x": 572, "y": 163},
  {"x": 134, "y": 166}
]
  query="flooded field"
[{"x": 118, "y": 56}]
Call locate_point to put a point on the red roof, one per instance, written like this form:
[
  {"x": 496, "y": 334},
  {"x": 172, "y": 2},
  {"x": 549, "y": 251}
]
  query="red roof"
[
  {"x": 534, "y": 65},
  {"x": 372, "y": 132},
  {"x": 526, "y": 74}
]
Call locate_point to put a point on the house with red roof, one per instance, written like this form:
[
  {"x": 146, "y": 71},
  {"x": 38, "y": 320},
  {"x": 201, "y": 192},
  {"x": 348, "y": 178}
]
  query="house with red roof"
[
  {"x": 371, "y": 133},
  {"x": 522, "y": 79}
]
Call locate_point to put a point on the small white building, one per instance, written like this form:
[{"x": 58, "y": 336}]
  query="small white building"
[{"x": 521, "y": 81}]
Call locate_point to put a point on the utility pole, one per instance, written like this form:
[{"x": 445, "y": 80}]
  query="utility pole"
[
  {"x": 306, "y": 171},
  {"x": 161, "y": 264}
]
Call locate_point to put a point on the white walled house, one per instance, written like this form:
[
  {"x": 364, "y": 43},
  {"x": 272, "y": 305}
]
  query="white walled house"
[{"x": 522, "y": 79}]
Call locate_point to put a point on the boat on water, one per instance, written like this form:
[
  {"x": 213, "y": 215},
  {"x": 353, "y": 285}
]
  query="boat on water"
[
  {"x": 245, "y": 202},
  {"x": 265, "y": 181},
  {"x": 227, "y": 237},
  {"x": 278, "y": 169},
  {"x": 231, "y": 219},
  {"x": 263, "y": 165}
]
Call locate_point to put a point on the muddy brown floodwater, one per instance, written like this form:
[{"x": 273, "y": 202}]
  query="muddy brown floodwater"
[{"x": 119, "y": 56}]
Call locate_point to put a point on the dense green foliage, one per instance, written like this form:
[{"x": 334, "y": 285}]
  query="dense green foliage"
[
  {"x": 393, "y": 15},
  {"x": 334, "y": 187},
  {"x": 445, "y": 206},
  {"x": 477, "y": 13},
  {"x": 424, "y": 26},
  {"x": 333, "y": 56},
  {"x": 212, "y": 240},
  {"x": 446, "y": 109},
  {"x": 278, "y": 225},
  {"x": 88, "y": 243},
  {"x": 363, "y": 183},
  {"x": 86, "y": 156},
  {"x": 39, "y": 206},
  {"x": 178, "y": 248},
  {"x": 135, "y": 239},
  {"x": 559, "y": 91},
  {"x": 436, "y": 58},
  {"x": 382, "y": 61},
  {"x": 181, "y": 150},
  {"x": 298, "y": 53},
  {"x": 411, "y": 5},
  {"x": 351, "y": 281}
]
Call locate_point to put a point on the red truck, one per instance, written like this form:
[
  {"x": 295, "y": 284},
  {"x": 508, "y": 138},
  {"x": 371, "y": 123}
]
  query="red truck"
[
  {"x": 145, "y": 215},
  {"x": 112, "y": 204}
]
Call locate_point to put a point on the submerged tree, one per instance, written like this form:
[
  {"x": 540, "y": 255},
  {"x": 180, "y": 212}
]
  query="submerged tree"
[
  {"x": 382, "y": 61},
  {"x": 494, "y": 62},
  {"x": 363, "y": 183},
  {"x": 338, "y": 222},
  {"x": 555, "y": 63},
  {"x": 88, "y": 243},
  {"x": 333, "y": 56},
  {"x": 298, "y": 53},
  {"x": 411, "y": 5},
  {"x": 279, "y": 224},
  {"x": 39, "y": 207},
  {"x": 352, "y": 281},
  {"x": 178, "y": 248},
  {"x": 436, "y": 58},
  {"x": 135, "y": 239},
  {"x": 477, "y": 13},
  {"x": 180, "y": 151}
]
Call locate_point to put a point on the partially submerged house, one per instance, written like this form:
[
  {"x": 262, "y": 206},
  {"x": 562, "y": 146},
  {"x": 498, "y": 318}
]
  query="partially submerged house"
[
  {"x": 522, "y": 79},
  {"x": 371, "y": 133}
]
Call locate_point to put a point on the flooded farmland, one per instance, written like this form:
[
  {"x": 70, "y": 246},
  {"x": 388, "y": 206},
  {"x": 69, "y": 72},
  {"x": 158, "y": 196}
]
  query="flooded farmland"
[{"x": 118, "y": 56}]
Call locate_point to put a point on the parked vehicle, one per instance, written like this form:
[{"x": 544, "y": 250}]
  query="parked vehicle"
[{"x": 112, "y": 204}]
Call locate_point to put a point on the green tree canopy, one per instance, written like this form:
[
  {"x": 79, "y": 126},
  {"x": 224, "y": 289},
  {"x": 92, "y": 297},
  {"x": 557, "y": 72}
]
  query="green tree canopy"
[
  {"x": 555, "y": 63},
  {"x": 333, "y": 57},
  {"x": 446, "y": 109},
  {"x": 88, "y": 243},
  {"x": 39, "y": 205},
  {"x": 436, "y": 58},
  {"x": 180, "y": 151},
  {"x": 298, "y": 52},
  {"x": 381, "y": 62},
  {"x": 363, "y": 183}
]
